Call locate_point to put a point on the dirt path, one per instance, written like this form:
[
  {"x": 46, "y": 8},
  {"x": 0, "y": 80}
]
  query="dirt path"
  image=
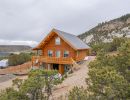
[
  {"x": 6, "y": 84},
  {"x": 76, "y": 79}
]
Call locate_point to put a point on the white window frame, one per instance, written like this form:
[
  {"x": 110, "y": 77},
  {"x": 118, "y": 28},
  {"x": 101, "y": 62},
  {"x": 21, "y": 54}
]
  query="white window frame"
[
  {"x": 57, "y": 41},
  {"x": 66, "y": 52}
]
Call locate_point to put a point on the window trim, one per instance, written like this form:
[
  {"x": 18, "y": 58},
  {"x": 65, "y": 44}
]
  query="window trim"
[
  {"x": 50, "y": 54},
  {"x": 57, "y": 41},
  {"x": 64, "y": 53},
  {"x": 56, "y": 53}
]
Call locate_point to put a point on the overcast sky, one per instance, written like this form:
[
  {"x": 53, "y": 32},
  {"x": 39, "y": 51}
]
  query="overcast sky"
[{"x": 29, "y": 21}]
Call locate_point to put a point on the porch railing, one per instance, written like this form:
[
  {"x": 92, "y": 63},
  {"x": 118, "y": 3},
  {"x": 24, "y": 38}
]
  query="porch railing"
[{"x": 57, "y": 60}]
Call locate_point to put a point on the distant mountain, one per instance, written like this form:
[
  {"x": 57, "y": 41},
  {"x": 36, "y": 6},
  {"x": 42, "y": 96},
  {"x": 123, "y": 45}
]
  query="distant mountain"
[
  {"x": 14, "y": 48},
  {"x": 106, "y": 31}
]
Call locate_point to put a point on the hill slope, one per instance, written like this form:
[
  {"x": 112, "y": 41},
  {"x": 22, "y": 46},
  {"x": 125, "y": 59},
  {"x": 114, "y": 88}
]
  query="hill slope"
[
  {"x": 14, "y": 48},
  {"x": 106, "y": 31}
]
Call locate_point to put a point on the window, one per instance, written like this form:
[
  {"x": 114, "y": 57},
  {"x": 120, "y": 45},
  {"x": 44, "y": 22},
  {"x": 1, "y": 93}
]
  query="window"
[
  {"x": 58, "y": 53},
  {"x": 66, "y": 53},
  {"x": 39, "y": 52},
  {"x": 50, "y": 53},
  {"x": 57, "y": 41},
  {"x": 78, "y": 53}
]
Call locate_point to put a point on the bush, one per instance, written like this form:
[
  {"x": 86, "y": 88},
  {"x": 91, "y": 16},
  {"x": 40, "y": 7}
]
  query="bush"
[
  {"x": 78, "y": 94},
  {"x": 108, "y": 47},
  {"x": 38, "y": 86},
  {"x": 15, "y": 59},
  {"x": 11, "y": 94},
  {"x": 109, "y": 76},
  {"x": 39, "y": 72}
]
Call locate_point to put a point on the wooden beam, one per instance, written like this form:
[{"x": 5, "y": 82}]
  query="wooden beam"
[{"x": 61, "y": 69}]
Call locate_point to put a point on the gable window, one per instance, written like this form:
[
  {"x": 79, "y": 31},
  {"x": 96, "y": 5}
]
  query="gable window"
[
  {"x": 58, "y": 53},
  {"x": 50, "y": 53},
  {"x": 57, "y": 41},
  {"x": 66, "y": 53}
]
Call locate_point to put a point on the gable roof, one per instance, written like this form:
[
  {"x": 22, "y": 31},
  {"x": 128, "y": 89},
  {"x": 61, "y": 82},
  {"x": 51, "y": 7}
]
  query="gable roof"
[{"x": 71, "y": 39}]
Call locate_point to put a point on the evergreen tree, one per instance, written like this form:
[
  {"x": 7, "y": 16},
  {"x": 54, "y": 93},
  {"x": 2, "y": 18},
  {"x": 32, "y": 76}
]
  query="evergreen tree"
[{"x": 109, "y": 76}]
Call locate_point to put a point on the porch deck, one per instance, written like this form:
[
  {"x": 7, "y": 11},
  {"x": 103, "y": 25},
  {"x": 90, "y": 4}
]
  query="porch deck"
[{"x": 55, "y": 60}]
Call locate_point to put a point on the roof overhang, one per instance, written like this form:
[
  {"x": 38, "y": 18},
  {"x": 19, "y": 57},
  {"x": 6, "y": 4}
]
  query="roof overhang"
[
  {"x": 36, "y": 48},
  {"x": 84, "y": 49}
]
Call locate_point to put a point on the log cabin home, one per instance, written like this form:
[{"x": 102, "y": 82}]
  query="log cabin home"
[{"x": 59, "y": 51}]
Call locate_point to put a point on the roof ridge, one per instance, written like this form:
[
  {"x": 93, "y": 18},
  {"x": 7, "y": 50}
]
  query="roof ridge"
[
  {"x": 64, "y": 32},
  {"x": 69, "y": 34}
]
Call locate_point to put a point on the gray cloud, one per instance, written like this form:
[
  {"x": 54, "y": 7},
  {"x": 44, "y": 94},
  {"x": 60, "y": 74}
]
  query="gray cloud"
[{"x": 31, "y": 20}]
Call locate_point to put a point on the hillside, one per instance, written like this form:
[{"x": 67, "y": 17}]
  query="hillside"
[
  {"x": 106, "y": 31},
  {"x": 14, "y": 48}
]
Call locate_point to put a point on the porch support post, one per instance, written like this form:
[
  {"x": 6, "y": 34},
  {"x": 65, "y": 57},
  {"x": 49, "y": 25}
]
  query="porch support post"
[
  {"x": 37, "y": 52},
  {"x": 48, "y": 66},
  {"x": 61, "y": 69}
]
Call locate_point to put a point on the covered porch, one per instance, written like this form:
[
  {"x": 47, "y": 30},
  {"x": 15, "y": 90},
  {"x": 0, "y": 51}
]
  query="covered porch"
[
  {"x": 59, "y": 67},
  {"x": 52, "y": 63}
]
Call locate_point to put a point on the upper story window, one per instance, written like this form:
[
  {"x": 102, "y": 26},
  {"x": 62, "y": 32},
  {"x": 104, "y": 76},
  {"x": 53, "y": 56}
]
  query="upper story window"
[
  {"x": 66, "y": 53},
  {"x": 57, "y": 41},
  {"x": 50, "y": 53}
]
